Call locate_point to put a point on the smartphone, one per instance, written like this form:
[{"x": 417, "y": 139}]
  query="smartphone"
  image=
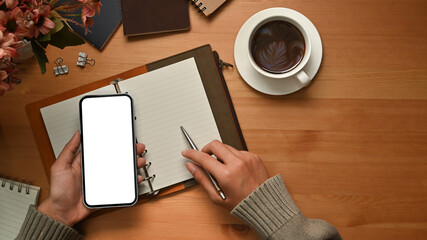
[{"x": 108, "y": 150}]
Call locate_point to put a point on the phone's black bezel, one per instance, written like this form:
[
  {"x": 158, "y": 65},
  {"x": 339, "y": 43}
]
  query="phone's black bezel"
[{"x": 134, "y": 149}]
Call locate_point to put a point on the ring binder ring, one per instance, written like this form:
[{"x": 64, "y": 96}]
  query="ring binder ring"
[
  {"x": 148, "y": 178},
  {"x": 143, "y": 154},
  {"x": 115, "y": 82}
]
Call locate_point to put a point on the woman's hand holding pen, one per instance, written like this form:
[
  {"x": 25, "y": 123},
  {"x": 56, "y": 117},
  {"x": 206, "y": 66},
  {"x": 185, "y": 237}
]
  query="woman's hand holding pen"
[{"x": 239, "y": 175}]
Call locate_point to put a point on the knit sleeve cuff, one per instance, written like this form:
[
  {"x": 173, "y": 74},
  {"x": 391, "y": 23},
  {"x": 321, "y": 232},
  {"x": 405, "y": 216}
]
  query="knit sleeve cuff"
[
  {"x": 40, "y": 226},
  {"x": 267, "y": 208}
]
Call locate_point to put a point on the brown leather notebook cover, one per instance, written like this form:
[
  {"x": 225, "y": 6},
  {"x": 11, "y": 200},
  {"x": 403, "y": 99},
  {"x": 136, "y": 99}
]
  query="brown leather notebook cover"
[
  {"x": 213, "y": 82},
  {"x": 154, "y": 16}
]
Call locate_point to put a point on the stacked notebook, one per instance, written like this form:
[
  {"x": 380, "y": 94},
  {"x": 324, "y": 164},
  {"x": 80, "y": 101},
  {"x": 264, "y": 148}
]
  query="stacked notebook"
[
  {"x": 140, "y": 18},
  {"x": 154, "y": 16}
]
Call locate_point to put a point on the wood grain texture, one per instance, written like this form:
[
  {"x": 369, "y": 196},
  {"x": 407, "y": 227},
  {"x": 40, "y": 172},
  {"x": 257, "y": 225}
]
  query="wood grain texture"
[{"x": 351, "y": 148}]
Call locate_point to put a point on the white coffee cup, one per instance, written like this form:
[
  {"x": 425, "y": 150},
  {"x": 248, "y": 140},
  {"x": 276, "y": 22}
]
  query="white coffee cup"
[{"x": 297, "y": 71}]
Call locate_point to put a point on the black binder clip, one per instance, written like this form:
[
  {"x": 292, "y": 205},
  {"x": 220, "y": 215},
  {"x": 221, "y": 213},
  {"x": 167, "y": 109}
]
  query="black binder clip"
[
  {"x": 60, "y": 69},
  {"x": 83, "y": 60}
]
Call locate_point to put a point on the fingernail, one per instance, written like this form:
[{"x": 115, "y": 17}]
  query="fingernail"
[
  {"x": 190, "y": 167},
  {"x": 183, "y": 152}
]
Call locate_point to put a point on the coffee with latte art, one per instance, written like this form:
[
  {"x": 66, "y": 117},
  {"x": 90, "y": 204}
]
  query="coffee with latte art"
[{"x": 277, "y": 47}]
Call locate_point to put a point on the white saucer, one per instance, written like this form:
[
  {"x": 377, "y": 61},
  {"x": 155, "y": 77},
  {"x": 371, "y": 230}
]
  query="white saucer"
[{"x": 269, "y": 85}]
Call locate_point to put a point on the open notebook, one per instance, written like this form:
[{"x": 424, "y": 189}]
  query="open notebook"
[
  {"x": 164, "y": 99},
  {"x": 15, "y": 199}
]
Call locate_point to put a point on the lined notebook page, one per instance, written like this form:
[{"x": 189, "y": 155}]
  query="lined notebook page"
[
  {"x": 165, "y": 99},
  {"x": 62, "y": 119},
  {"x": 14, "y": 205}
]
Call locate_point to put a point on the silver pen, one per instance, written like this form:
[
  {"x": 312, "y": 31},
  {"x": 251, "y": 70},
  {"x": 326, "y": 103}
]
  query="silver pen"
[{"x": 213, "y": 180}]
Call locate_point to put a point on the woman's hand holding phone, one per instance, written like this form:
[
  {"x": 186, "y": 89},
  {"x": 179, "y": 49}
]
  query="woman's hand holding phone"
[{"x": 65, "y": 200}]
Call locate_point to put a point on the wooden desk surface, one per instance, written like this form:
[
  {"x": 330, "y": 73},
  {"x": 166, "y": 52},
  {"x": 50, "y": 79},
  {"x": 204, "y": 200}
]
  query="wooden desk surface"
[{"x": 351, "y": 148}]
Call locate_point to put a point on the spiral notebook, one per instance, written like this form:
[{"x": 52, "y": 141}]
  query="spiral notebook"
[
  {"x": 15, "y": 199},
  {"x": 207, "y": 6}
]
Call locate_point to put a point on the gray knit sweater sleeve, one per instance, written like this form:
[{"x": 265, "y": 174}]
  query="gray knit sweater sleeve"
[
  {"x": 40, "y": 226},
  {"x": 270, "y": 210},
  {"x": 272, "y": 213}
]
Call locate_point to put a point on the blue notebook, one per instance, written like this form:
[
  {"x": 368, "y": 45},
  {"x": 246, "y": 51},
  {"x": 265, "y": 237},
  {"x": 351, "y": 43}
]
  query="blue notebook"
[{"x": 104, "y": 24}]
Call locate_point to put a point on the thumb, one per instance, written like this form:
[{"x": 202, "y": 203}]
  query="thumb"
[
  {"x": 201, "y": 177},
  {"x": 77, "y": 161},
  {"x": 70, "y": 150}
]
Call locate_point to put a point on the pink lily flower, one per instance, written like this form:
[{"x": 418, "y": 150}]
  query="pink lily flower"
[
  {"x": 26, "y": 24},
  {"x": 9, "y": 45},
  {"x": 9, "y": 3},
  {"x": 43, "y": 23},
  {"x": 89, "y": 9}
]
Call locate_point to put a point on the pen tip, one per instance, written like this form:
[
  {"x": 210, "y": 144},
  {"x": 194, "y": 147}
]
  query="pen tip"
[{"x": 222, "y": 195}]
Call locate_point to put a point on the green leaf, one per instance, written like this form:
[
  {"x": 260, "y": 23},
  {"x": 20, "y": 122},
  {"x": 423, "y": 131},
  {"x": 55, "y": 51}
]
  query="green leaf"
[
  {"x": 65, "y": 38},
  {"x": 40, "y": 54},
  {"x": 44, "y": 38},
  {"x": 43, "y": 44},
  {"x": 58, "y": 26},
  {"x": 54, "y": 13}
]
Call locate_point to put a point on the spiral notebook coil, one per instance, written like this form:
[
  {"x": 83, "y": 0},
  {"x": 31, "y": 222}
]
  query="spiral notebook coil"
[
  {"x": 15, "y": 182},
  {"x": 198, "y": 5}
]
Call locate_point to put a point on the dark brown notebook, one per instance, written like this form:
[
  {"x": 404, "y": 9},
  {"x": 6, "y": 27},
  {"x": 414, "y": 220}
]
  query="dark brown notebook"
[
  {"x": 208, "y": 66},
  {"x": 154, "y": 16}
]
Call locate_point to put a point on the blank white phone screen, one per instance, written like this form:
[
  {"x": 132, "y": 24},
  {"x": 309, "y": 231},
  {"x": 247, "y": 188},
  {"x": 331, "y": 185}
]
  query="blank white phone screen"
[{"x": 108, "y": 151}]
